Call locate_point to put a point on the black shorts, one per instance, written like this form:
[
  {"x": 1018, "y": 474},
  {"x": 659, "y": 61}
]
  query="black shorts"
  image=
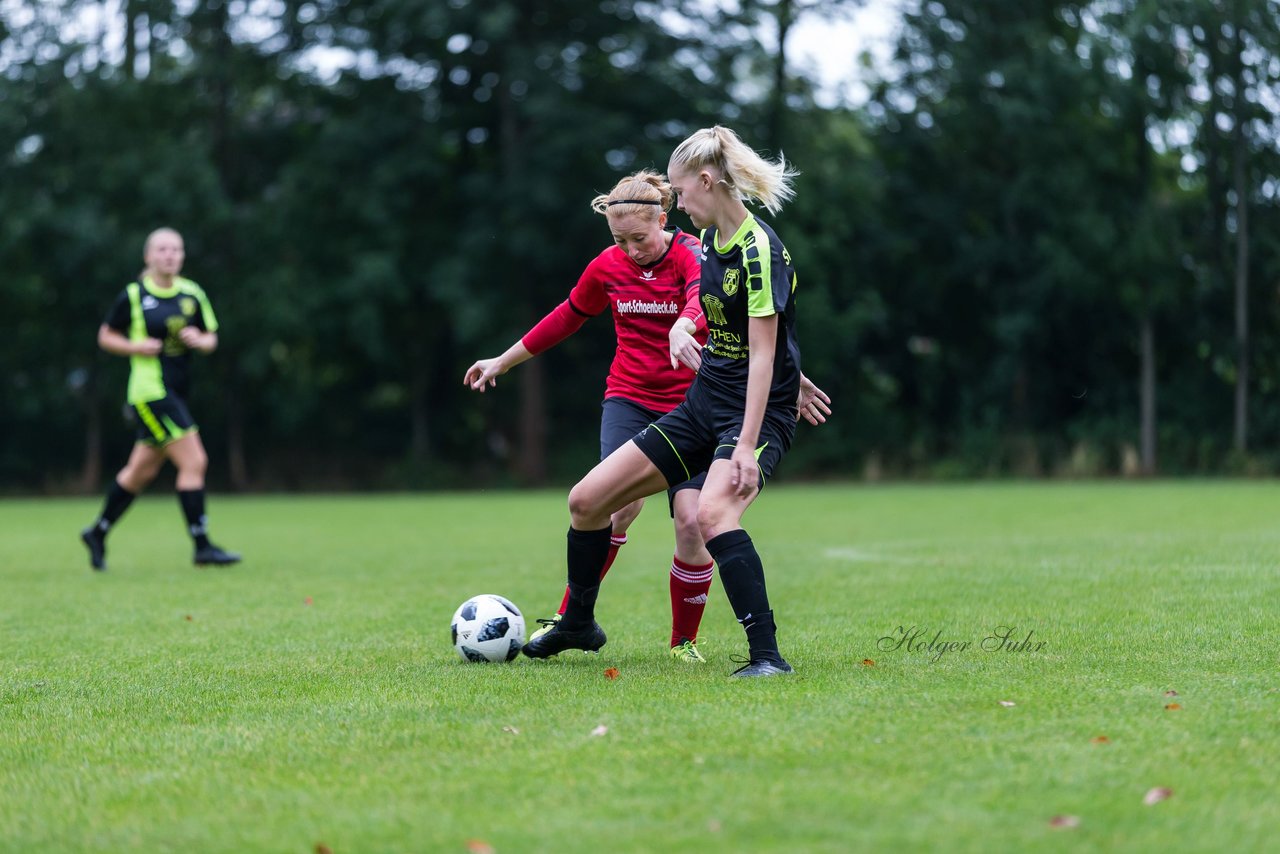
[
  {"x": 620, "y": 422},
  {"x": 162, "y": 421},
  {"x": 683, "y": 442}
]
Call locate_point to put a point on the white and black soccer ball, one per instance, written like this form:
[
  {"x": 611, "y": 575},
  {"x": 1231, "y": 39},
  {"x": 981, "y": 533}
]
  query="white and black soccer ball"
[{"x": 488, "y": 628}]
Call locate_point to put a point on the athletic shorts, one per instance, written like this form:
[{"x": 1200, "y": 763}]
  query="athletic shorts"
[
  {"x": 162, "y": 421},
  {"x": 620, "y": 421},
  {"x": 701, "y": 429}
]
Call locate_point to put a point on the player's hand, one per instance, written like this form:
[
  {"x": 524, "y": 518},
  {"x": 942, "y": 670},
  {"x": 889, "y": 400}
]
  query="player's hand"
[
  {"x": 484, "y": 374},
  {"x": 744, "y": 471},
  {"x": 812, "y": 404},
  {"x": 192, "y": 338},
  {"x": 685, "y": 349},
  {"x": 148, "y": 347}
]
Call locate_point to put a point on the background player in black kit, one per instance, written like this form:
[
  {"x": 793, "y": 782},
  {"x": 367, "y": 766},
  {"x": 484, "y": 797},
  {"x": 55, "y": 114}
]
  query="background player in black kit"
[
  {"x": 739, "y": 415},
  {"x": 157, "y": 321}
]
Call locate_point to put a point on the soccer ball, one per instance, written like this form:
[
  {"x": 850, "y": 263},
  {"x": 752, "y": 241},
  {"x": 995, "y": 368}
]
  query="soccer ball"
[{"x": 487, "y": 628}]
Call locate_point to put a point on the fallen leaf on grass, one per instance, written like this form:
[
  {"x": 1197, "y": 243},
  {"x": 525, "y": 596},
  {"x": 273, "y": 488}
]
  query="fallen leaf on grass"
[
  {"x": 1100, "y": 739},
  {"x": 1156, "y": 795},
  {"x": 1173, "y": 707},
  {"x": 612, "y": 673},
  {"x": 1065, "y": 821},
  {"x": 321, "y": 848},
  {"x": 1007, "y": 703},
  {"x": 511, "y": 730},
  {"x": 479, "y": 846},
  {"x": 188, "y": 618},
  {"x": 306, "y": 601},
  {"x": 866, "y": 662},
  {"x": 600, "y": 730},
  {"x": 1171, "y": 693}
]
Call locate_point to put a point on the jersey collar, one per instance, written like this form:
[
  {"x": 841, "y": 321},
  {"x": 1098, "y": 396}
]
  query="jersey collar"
[
  {"x": 674, "y": 232},
  {"x": 156, "y": 290},
  {"x": 747, "y": 224}
]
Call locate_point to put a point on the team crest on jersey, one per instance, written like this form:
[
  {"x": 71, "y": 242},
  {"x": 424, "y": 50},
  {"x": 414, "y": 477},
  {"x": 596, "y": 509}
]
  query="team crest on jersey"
[
  {"x": 713, "y": 308},
  {"x": 730, "y": 284},
  {"x": 188, "y": 306}
]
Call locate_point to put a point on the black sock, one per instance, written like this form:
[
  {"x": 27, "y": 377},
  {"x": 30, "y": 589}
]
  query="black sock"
[
  {"x": 762, "y": 636},
  {"x": 192, "y": 501},
  {"x": 742, "y": 576},
  {"x": 588, "y": 551},
  {"x": 118, "y": 501}
]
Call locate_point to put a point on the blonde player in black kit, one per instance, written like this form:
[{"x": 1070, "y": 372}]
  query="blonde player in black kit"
[
  {"x": 739, "y": 415},
  {"x": 157, "y": 322}
]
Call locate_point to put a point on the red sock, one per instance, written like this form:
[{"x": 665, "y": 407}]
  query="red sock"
[
  {"x": 615, "y": 543},
  {"x": 689, "y": 586}
]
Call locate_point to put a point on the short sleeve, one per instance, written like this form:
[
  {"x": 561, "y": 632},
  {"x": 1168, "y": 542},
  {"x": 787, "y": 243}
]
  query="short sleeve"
[
  {"x": 760, "y": 262},
  {"x": 205, "y": 320},
  {"x": 118, "y": 316}
]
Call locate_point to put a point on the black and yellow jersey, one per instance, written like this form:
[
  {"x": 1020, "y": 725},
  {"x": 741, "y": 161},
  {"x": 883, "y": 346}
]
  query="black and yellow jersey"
[
  {"x": 748, "y": 275},
  {"x": 146, "y": 310}
]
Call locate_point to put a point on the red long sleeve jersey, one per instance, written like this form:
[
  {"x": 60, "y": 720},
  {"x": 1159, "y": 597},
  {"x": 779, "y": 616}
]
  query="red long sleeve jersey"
[{"x": 646, "y": 301}]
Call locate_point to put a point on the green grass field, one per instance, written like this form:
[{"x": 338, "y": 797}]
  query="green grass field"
[{"x": 311, "y": 696}]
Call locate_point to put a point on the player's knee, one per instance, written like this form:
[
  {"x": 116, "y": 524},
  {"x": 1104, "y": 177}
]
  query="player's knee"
[
  {"x": 710, "y": 520},
  {"x": 688, "y": 528},
  {"x": 582, "y": 505},
  {"x": 196, "y": 462},
  {"x": 135, "y": 478}
]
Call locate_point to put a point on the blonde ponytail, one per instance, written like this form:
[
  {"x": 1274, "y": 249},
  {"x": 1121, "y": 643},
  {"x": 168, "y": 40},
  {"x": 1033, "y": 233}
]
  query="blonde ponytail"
[{"x": 748, "y": 175}]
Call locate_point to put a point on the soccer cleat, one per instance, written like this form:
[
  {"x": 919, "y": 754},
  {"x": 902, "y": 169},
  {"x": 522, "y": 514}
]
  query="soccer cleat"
[
  {"x": 215, "y": 556},
  {"x": 96, "y": 543},
  {"x": 547, "y": 625},
  {"x": 557, "y": 639},
  {"x": 763, "y": 667},
  {"x": 687, "y": 653}
]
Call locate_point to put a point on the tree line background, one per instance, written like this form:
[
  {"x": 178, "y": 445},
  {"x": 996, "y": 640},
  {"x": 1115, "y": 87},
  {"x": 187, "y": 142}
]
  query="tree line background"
[{"x": 1047, "y": 244}]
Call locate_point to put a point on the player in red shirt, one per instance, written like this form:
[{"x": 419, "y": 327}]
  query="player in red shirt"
[
  {"x": 649, "y": 281},
  {"x": 738, "y": 418}
]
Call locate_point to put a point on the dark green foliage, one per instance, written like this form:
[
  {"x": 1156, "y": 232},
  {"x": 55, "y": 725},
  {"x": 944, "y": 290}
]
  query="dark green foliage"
[{"x": 980, "y": 247}]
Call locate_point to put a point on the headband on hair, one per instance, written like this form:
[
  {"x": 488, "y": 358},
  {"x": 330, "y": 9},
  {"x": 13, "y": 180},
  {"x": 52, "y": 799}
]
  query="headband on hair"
[{"x": 633, "y": 202}]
